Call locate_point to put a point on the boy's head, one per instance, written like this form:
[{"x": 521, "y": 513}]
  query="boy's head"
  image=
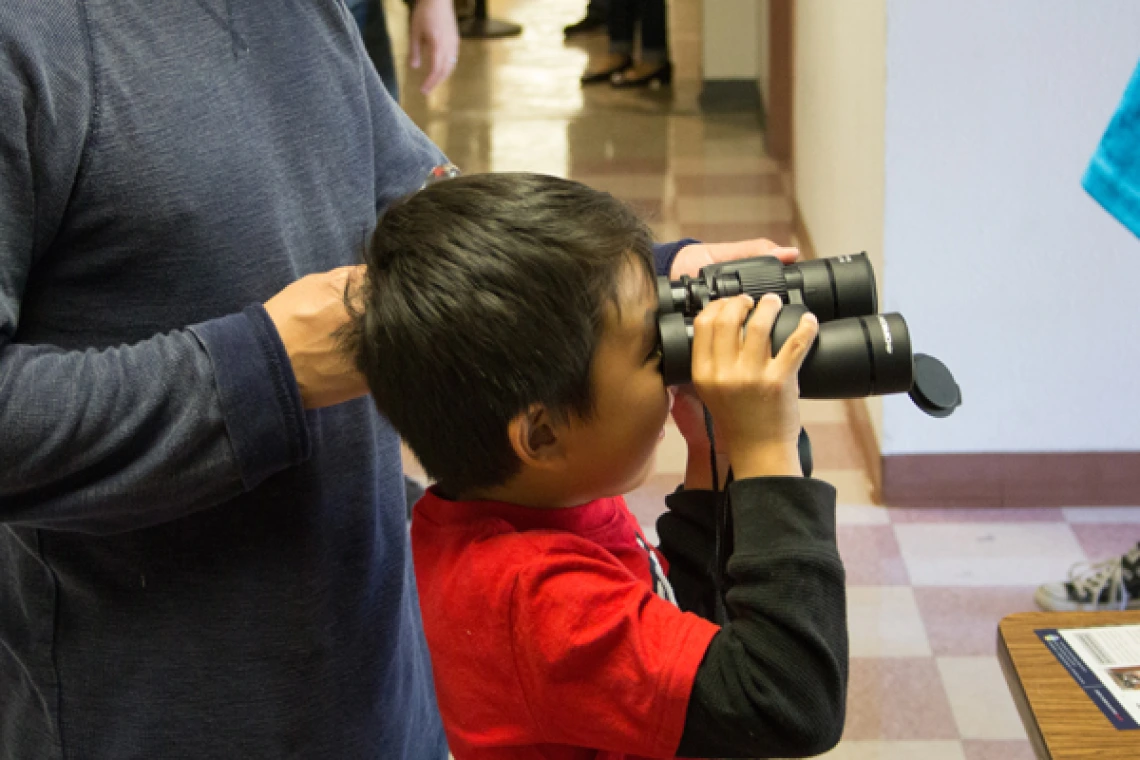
[{"x": 508, "y": 333}]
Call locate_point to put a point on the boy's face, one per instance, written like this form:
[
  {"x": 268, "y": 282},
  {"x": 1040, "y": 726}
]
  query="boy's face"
[{"x": 612, "y": 452}]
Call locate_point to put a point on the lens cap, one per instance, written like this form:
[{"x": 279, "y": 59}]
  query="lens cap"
[{"x": 935, "y": 391}]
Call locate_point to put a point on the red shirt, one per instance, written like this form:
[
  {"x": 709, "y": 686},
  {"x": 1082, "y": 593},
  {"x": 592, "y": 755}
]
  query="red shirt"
[{"x": 547, "y": 640}]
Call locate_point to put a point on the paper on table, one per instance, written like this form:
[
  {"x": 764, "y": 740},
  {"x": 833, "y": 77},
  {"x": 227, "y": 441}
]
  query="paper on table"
[{"x": 1105, "y": 662}]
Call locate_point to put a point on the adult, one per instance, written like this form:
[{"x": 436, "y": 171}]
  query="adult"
[{"x": 203, "y": 549}]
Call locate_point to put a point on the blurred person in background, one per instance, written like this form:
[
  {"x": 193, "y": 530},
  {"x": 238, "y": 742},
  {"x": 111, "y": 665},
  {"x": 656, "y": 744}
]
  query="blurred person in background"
[
  {"x": 433, "y": 38},
  {"x": 597, "y": 12},
  {"x": 619, "y": 67}
]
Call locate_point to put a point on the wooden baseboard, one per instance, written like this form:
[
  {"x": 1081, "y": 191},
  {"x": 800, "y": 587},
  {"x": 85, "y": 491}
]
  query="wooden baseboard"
[
  {"x": 1053, "y": 479},
  {"x": 731, "y": 96},
  {"x": 859, "y": 418}
]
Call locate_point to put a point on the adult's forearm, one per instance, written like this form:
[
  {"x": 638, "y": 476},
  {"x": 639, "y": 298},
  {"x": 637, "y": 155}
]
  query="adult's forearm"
[
  {"x": 664, "y": 255},
  {"x": 111, "y": 440}
]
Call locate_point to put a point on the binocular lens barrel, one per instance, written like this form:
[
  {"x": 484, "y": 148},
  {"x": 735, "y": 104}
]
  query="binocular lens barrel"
[
  {"x": 836, "y": 288},
  {"x": 851, "y": 358},
  {"x": 857, "y": 353}
]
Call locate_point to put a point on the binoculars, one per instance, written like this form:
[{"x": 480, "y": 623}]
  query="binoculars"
[{"x": 858, "y": 351}]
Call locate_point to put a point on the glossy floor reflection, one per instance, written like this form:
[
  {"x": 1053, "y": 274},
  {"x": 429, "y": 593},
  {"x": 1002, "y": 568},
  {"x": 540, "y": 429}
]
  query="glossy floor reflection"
[{"x": 926, "y": 587}]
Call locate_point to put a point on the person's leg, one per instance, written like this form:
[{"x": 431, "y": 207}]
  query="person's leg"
[
  {"x": 594, "y": 20},
  {"x": 379, "y": 46},
  {"x": 654, "y": 32},
  {"x": 653, "y": 67},
  {"x": 1110, "y": 585},
  {"x": 620, "y": 23}
]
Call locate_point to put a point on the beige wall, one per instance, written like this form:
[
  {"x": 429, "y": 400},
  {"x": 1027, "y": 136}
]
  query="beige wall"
[
  {"x": 762, "y": 47},
  {"x": 730, "y": 49},
  {"x": 840, "y": 111}
]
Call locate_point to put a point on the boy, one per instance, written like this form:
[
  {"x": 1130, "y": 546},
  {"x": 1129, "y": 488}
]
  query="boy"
[{"x": 508, "y": 332}]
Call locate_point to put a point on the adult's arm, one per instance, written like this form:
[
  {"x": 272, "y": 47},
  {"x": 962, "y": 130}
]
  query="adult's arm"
[
  {"x": 773, "y": 681},
  {"x": 127, "y": 436},
  {"x": 664, "y": 254},
  {"x": 433, "y": 36},
  {"x": 114, "y": 439}
]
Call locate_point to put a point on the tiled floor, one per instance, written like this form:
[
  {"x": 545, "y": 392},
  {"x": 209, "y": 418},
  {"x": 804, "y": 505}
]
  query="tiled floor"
[{"x": 926, "y": 587}]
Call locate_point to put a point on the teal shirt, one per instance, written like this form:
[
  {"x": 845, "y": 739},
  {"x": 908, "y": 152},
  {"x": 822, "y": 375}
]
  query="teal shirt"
[{"x": 1113, "y": 175}]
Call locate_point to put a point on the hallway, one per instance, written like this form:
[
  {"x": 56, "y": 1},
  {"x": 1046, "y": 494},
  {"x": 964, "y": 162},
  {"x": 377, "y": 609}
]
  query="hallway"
[{"x": 926, "y": 586}]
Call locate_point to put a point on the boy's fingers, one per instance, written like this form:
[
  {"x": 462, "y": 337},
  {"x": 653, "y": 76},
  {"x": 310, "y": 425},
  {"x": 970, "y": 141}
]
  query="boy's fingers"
[
  {"x": 702, "y": 352},
  {"x": 727, "y": 326},
  {"x": 758, "y": 335},
  {"x": 799, "y": 343}
]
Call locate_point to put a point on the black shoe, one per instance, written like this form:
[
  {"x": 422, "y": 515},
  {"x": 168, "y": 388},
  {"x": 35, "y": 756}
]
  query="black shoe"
[
  {"x": 606, "y": 75},
  {"x": 1110, "y": 585},
  {"x": 585, "y": 26},
  {"x": 659, "y": 77}
]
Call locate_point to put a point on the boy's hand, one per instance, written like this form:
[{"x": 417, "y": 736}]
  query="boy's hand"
[{"x": 752, "y": 395}]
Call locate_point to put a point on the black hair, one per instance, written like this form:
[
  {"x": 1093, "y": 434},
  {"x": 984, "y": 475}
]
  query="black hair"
[{"x": 486, "y": 294}]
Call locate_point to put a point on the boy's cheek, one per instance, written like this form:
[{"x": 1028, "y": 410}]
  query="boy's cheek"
[{"x": 646, "y": 470}]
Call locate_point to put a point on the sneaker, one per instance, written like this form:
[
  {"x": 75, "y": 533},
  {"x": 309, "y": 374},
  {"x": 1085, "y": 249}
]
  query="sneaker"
[
  {"x": 1110, "y": 585},
  {"x": 585, "y": 26}
]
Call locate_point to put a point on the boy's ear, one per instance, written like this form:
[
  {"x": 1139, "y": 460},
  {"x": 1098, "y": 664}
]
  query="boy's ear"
[{"x": 536, "y": 437}]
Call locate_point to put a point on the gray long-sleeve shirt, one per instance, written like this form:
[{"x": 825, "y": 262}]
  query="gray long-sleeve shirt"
[{"x": 190, "y": 564}]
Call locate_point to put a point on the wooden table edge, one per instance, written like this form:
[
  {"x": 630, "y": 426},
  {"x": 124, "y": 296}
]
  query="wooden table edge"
[
  {"x": 1021, "y": 628},
  {"x": 1020, "y": 698}
]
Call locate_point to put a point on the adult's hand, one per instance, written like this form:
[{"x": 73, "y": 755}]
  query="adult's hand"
[
  {"x": 433, "y": 37},
  {"x": 692, "y": 258},
  {"x": 308, "y": 315}
]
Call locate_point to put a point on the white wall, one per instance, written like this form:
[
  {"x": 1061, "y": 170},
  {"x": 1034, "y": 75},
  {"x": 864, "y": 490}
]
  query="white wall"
[
  {"x": 840, "y": 91},
  {"x": 1000, "y": 262}
]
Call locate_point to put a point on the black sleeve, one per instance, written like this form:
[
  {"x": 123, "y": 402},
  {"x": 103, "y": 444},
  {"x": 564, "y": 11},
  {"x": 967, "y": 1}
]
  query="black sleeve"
[
  {"x": 687, "y": 533},
  {"x": 773, "y": 682}
]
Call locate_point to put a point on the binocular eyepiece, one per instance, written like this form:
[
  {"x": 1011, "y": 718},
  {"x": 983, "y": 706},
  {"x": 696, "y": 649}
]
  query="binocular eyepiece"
[{"x": 857, "y": 353}]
